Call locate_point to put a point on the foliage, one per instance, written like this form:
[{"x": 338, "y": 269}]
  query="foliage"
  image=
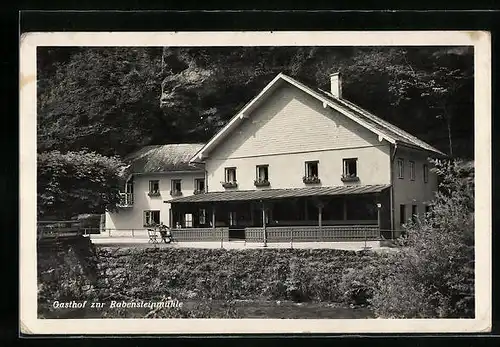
[
  {"x": 359, "y": 284},
  {"x": 103, "y": 99},
  {"x": 77, "y": 182},
  {"x": 433, "y": 274},
  {"x": 108, "y": 99}
]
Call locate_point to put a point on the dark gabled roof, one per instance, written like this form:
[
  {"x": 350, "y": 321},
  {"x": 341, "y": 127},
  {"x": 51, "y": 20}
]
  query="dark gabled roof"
[
  {"x": 270, "y": 194},
  {"x": 392, "y": 131},
  {"x": 163, "y": 158}
]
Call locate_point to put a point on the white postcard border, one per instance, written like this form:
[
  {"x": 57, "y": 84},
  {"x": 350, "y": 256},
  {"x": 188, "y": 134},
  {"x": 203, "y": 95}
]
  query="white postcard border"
[{"x": 30, "y": 324}]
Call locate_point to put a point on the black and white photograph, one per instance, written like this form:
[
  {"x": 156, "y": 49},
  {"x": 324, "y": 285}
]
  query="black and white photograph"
[{"x": 322, "y": 186}]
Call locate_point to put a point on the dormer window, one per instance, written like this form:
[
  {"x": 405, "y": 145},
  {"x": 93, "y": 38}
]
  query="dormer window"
[
  {"x": 350, "y": 171},
  {"x": 154, "y": 188}
]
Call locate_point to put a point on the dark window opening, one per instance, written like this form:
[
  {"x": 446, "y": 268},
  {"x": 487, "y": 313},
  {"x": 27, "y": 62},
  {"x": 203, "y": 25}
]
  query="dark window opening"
[
  {"x": 151, "y": 218},
  {"x": 200, "y": 184},
  {"x": 262, "y": 173},
  {"x": 230, "y": 173},
  {"x": 154, "y": 187},
  {"x": 312, "y": 169},
  {"x": 350, "y": 167},
  {"x": 176, "y": 186},
  {"x": 402, "y": 214},
  {"x": 426, "y": 173},
  {"x": 203, "y": 216},
  {"x": 414, "y": 212},
  {"x": 401, "y": 168},
  {"x": 412, "y": 170}
]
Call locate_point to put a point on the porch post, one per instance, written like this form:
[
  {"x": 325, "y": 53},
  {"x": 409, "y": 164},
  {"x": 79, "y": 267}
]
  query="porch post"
[
  {"x": 320, "y": 217},
  {"x": 170, "y": 216},
  {"x": 264, "y": 224}
]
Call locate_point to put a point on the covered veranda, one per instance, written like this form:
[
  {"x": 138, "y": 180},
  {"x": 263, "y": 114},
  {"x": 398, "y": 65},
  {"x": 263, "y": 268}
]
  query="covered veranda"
[{"x": 279, "y": 215}]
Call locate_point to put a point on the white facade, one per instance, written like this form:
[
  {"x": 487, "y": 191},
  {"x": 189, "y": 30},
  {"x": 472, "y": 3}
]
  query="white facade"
[
  {"x": 285, "y": 130},
  {"x": 133, "y": 217},
  {"x": 288, "y": 130}
]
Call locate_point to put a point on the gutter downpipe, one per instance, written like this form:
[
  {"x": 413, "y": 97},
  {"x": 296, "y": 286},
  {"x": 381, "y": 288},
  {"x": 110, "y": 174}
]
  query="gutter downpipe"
[{"x": 392, "y": 188}]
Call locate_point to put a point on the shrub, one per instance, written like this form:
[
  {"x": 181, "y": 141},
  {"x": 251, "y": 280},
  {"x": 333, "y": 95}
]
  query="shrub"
[{"x": 433, "y": 273}]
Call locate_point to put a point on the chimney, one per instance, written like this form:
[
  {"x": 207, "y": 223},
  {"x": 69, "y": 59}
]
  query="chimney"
[{"x": 336, "y": 84}]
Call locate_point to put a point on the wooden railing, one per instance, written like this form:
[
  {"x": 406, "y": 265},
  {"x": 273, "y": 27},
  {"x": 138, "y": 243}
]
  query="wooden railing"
[
  {"x": 126, "y": 200},
  {"x": 254, "y": 234},
  {"x": 328, "y": 233},
  {"x": 325, "y": 233},
  {"x": 200, "y": 234},
  {"x": 55, "y": 229}
]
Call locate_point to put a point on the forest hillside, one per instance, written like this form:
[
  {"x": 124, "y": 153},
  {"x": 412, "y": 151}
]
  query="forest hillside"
[{"x": 113, "y": 100}]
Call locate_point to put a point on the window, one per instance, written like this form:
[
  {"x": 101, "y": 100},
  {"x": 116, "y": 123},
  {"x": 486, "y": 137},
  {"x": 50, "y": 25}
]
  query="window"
[
  {"x": 414, "y": 212},
  {"x": 151, "y": 218},
  {"x": 230, "y": 174},
  {"x": 350, "y": 167},
  {"x": 426, "y": 173},
  {"x": 154, "y": 187},
  {"x": 203, "y": 216},
  {"x": 232, "y": 218},
  {"x": 427, "y": 209},
  {"x": 199, "y": 184},
  {"x": 262, "y": 172},
  {"x": 412, "y": 170},
  {"x": 402, "y": 214},
  {"x": 176, "y": 188},
  {"x": 312, "y": 169},
  {"x": 401, "y": 168},
  {"x": 188, "y": 220},
  {"x": 129, "y": 187}
]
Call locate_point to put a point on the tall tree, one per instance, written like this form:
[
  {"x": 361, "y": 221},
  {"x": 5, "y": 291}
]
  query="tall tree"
[{"x": 76, "y": 183}]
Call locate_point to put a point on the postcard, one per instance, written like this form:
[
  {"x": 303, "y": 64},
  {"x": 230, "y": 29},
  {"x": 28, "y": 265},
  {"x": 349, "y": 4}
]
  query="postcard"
[{"x": 255, "y": 182}]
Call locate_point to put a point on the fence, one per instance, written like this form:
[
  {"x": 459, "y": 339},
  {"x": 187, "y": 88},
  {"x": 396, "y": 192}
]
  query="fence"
[
  {"x": 56, "y": 229},
  {"x": 201, "y": 234},
  {"x": 274, "y": 234}
]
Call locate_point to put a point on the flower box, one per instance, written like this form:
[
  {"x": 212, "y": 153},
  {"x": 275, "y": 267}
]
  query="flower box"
[
  {"x": 175, "y": 193},
  {"x": 311, "y": 180},
  {"x": 154, "y": 193},
  {"x": 261, "y": 183},
  {"x": 196, "y": 192},
  {"x": 346, "y": 178},
  {"x": 229, "y": 184}
]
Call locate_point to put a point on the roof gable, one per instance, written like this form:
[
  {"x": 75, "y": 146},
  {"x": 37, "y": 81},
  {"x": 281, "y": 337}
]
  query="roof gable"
[{"x": 383, "y": 129}]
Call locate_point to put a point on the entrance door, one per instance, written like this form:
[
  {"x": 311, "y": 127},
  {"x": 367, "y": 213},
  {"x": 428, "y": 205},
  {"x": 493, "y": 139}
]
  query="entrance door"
[{"x": 236, "y": 232}]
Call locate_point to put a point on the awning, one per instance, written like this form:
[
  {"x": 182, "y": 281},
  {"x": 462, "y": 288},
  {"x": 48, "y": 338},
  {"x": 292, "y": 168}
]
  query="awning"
[{"x": 272, "y": 194}]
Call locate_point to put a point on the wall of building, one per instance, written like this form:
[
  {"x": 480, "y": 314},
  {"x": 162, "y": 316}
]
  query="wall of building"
[
  {"x": 289, "y": 129},
  {"x": 132, "y": 217},
  {"x": 412, "y": 192}
]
